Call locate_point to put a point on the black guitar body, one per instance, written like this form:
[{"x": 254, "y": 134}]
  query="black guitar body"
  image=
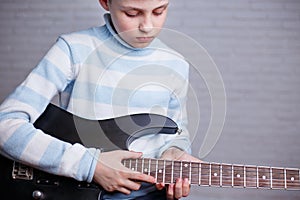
[
  {"x": 21, "y": 182},
  {"x": 42, "y": 185}
]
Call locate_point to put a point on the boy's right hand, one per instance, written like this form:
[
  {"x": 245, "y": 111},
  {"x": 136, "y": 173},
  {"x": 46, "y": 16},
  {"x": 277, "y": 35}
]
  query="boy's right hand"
[{"x": 113, "y": 176}]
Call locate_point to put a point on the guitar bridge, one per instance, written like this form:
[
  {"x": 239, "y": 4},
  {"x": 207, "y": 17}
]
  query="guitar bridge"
[{"x": 21, "y": 171}]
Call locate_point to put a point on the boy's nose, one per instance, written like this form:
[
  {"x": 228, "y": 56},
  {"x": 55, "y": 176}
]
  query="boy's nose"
[{"x": 146, "y": 25}]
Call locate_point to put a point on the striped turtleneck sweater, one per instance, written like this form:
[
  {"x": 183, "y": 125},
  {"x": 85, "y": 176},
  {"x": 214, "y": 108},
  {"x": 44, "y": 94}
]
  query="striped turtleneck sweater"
[{"x": 96, "y": 75}]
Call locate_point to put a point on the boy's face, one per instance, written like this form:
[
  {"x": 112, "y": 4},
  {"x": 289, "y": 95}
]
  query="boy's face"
[{"x": 137, "y": 22}]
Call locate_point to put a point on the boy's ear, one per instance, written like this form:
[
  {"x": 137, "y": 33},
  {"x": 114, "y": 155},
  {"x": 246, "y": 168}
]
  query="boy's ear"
[{"x": 104, "y": 4}]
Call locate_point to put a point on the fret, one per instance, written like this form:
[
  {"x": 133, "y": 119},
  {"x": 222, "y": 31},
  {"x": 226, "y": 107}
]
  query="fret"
[
  {"x": 238, "y": 174},
  {"x": 215, "y": 171},
  {"x": 205, "y": 172},
  {"x": 124, "y": 163},
  {"x": 232, "y": 176},
  {"x": 149, "y": 167},
  {"x": 278, "y": 178},
  {"x": 133, "y": 164},
  {"x": 257, "y": 178},
  {"x": 292, "y": 179},
  {"x": 164, "y": 172},
  {"x": 142, "y": 170},
  {"x": 195, "y": 175},
  {"x": 209, "y": 182},
  {"x": 251, "y": 176},
  {"x": 180, "y": 169},
  {"x": 172, "y": 177},
  {"x": 160, "y": 171},
  {"x": 156, "y": 168},
  {"x": 264, "y": 177},
  {"x": 221, "y": 175},
  {"x": 190, "y": 173},
  {"x": 245, "y": 176},
  {"x": 146, "y": 167},
  {"x": 185, "y": 170},
  {"x": 168, "y": 171},
  {"x": 136, "y": 164},
  {"x": 153, "y": 168},
  {"x": 134, "y": 168},
  {"x": 199, "y": 175},
  {"x": 227, "y": 178},
  {"x": 129, "y": 164},
  {"x": 176, "y": 170},
  {"x": 139, "y": 165},
  {"x": 285, "y": 185},
  {"x": 271, "y": 177}
]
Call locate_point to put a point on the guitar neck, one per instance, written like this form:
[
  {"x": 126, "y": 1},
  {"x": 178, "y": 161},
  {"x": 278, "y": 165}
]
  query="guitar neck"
[{"x": 217, "y": 174}]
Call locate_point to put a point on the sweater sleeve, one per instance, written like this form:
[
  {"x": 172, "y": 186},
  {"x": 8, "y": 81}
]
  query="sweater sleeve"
[{"x": 21, "y": 141}]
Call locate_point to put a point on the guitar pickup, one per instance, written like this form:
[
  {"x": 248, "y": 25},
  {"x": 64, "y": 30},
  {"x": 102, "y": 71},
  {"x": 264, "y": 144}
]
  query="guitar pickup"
[{"x": 21, "y": 171}]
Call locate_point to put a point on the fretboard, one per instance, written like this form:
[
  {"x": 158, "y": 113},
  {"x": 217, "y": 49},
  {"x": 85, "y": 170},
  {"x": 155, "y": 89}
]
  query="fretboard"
[{"x": 217, "y": 174}]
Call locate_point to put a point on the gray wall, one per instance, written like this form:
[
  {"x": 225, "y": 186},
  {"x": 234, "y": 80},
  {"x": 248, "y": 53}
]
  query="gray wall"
[{"x": 254, "y": 43}]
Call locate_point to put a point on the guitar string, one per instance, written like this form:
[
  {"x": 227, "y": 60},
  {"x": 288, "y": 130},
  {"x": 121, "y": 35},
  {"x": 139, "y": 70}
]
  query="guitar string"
[
  {"x": 241, "y": 172},
  {"x": 216, "y": 168},
  {"x": 252, "y": 169}
]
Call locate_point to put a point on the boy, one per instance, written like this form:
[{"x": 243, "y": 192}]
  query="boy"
[{"x": 85, "y": 69}]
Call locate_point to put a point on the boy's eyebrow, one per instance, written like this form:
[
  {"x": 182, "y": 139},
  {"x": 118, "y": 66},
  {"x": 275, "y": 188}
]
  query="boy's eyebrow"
[
  {"x": 162, "y": 6},
  {"x": 139, "y": 9}
]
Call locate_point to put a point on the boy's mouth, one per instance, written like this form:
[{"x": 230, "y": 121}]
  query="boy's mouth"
[{"x": 144, "y": 39}]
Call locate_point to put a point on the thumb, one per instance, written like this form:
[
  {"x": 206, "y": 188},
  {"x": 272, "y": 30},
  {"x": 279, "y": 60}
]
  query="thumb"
[{"x": 131, "y": 154}]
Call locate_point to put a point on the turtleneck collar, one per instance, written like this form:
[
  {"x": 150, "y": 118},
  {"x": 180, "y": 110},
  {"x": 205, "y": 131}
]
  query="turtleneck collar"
[{"x": 111, "y": 29}]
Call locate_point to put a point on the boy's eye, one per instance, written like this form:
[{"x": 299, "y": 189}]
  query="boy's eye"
[
  {"x": 131, "y": 14},
  {"x": 159, "y": 11}
]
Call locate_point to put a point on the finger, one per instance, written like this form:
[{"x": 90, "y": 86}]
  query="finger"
[
  {"x": 178, "y": 189},
  {"x": 160, "y": 186},
  {"x": 185, "y": 187},
  {"x": 170, "y": 192},
  {"x": 141, "y": 177},
  {"x": 131, "y": 154},
  {"x": 131, "y": 185},
  {"x": 137, "y": 176},
  {"x": 124, "y": 190}
]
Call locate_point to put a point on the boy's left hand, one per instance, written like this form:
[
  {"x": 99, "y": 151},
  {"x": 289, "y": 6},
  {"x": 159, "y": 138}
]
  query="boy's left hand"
[{"x": 182, "y": 186}]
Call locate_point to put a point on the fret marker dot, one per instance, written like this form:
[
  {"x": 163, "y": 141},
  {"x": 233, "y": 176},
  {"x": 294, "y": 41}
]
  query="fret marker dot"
[
  {"x": 238, "y": 175},
  {"x": 292, "y": 179},
  {"x": 186, "y": 165},
  {"x": 264, "y": 177},
  {"x": 215, "y": 174},
  {"x": 146, "y": 170},
  {"x": 160, "y": 171},
  {"x": 132, "y": 169}
]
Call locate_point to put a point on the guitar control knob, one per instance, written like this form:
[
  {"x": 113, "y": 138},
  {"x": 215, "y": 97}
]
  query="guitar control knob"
[{"x": 36, "y": 194}]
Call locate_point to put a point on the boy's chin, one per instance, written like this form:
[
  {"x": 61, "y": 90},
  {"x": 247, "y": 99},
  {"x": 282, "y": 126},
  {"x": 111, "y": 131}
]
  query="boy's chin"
[{"x": 140, "y": 45}]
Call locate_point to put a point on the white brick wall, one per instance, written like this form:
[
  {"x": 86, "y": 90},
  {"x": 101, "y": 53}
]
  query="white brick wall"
[
  {"x": 28, "y": 29},
  {"x": 255, "y": 44}
]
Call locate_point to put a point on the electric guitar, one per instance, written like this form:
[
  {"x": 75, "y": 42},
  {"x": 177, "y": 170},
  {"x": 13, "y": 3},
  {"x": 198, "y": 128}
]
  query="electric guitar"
[{"x": 19, "y": 181}]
